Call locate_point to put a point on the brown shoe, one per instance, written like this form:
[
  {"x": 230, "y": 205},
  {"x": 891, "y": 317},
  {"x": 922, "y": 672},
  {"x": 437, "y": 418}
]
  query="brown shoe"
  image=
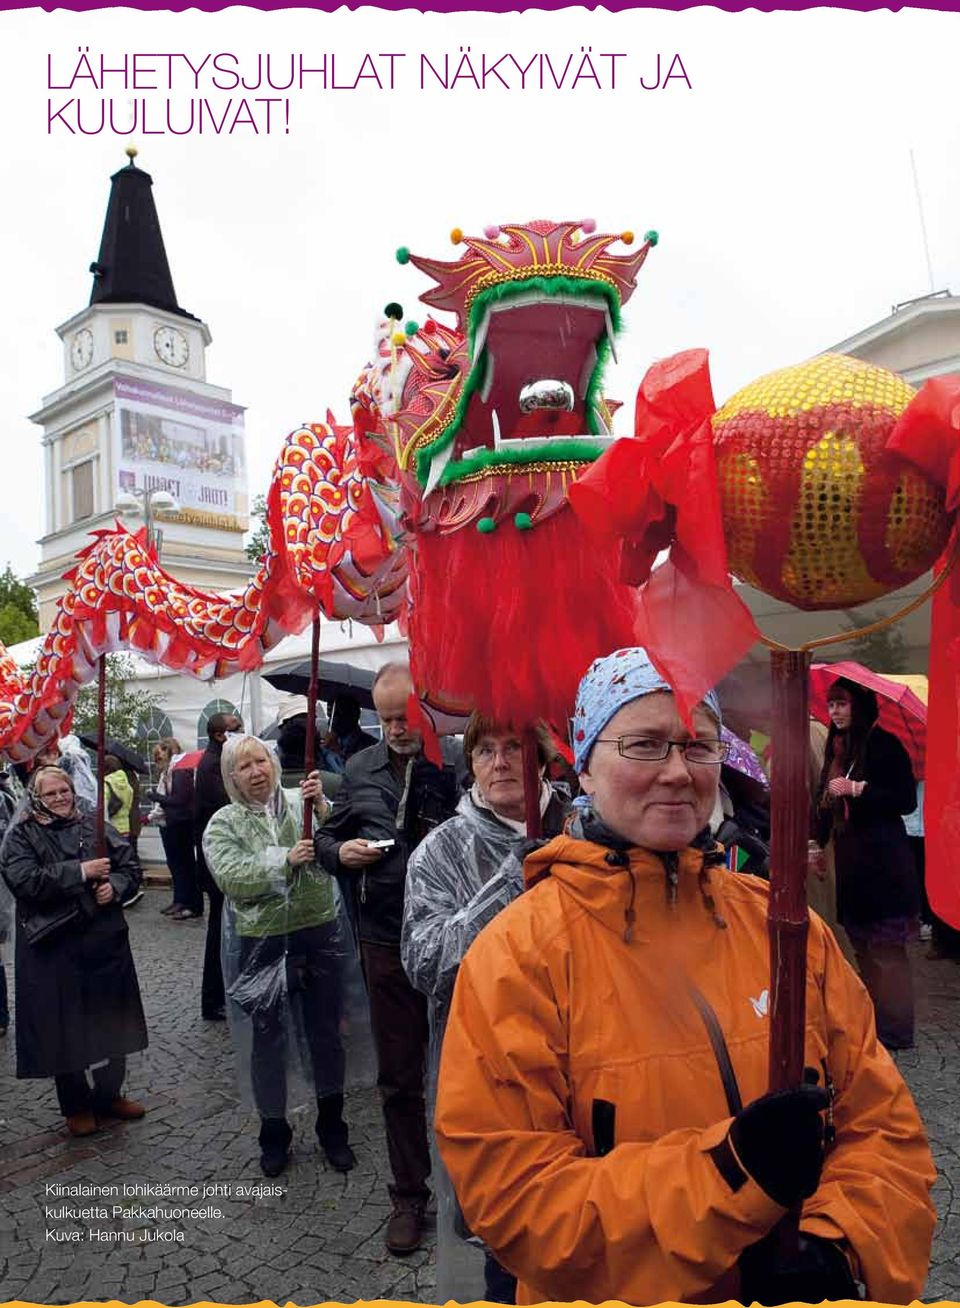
[
  {"x": 405, "y": 1227},
  {"x": 82, "y": 1124},
  {"x": 128, "y": 1110}
]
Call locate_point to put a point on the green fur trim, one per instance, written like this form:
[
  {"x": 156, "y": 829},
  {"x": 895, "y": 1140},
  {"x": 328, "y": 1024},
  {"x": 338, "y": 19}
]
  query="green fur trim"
[
  {"x": 569, "y": 449},
  {"x": 594, "y": 398},
  {"x": 474, "y": 382},
  {"x": 549, "y": 287}
]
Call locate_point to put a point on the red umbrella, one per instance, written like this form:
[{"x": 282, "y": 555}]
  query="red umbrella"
[{"x": 901, "y": 711}]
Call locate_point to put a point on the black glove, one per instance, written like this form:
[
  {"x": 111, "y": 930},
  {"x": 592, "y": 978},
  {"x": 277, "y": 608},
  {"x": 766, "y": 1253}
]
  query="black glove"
[
  {"x": 779, "y": 1140},
  {"x": 818, "y": 1270}
]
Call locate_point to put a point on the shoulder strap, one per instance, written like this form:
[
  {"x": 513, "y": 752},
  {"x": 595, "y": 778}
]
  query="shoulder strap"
[{"x": 720, "y": 1050}]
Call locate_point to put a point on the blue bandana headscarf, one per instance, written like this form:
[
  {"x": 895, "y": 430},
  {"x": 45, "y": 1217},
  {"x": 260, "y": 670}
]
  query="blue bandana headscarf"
[{"x": 608, "y": 685}]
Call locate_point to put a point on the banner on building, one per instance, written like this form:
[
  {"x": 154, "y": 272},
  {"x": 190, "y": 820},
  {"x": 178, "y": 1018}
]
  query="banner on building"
[{"x": 188, "y": 444}]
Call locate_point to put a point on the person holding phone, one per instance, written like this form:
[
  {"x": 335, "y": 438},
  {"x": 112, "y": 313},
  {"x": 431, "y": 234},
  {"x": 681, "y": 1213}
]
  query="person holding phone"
[{"x": 391, "y": 797}]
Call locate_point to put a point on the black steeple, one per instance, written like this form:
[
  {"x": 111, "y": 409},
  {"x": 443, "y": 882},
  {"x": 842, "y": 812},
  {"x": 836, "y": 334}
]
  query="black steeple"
[{"x": 132, "y": 267}]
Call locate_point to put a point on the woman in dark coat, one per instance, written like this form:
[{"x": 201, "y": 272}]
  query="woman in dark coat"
[
  {"x": 78, "y": 1000},
  {"x": 866, "y": 785}
]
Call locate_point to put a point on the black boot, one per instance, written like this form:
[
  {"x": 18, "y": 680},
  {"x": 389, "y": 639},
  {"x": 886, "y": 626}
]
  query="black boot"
[
  {"x": 275, "y": 1137},
  {"x": 332, "y": 1133}
]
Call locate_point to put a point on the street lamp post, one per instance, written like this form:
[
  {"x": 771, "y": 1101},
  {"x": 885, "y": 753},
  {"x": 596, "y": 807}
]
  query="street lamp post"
[{"x": 143, "y": 500}]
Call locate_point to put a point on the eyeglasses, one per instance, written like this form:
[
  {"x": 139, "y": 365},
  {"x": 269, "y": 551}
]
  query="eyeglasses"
[
  {"x": 652, "y": 749},
  {"x": 510, "y": 750}
]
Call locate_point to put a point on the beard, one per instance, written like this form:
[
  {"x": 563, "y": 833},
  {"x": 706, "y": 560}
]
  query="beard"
[
  {"x": 407, "y": 749},
  {"x": 508, "y": 623}
]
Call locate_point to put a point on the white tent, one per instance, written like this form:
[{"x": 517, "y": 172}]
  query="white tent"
[{"x": 186, "y": 702}]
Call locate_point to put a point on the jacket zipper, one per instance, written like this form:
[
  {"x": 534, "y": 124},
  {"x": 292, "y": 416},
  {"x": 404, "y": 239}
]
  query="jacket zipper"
[
  {"x": 670, "y": 864},
  {"x": 363, "y": 887}
]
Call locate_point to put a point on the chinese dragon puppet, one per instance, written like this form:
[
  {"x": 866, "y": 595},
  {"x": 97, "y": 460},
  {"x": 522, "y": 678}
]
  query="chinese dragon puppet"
[{"x": 480, "y": 498}]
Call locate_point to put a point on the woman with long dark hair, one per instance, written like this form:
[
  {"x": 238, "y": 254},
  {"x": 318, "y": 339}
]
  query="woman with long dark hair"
[{"x": 866, "y": 785}]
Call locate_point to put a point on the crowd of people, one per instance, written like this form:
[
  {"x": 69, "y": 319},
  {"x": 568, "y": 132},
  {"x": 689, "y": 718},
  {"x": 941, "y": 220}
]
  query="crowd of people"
[
  {"x": 145, "y": 440},
  {"x": 570, "y": 1034}
]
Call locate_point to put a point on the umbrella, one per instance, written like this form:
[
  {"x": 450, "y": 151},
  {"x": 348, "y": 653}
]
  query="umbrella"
[
  {"x": 334, "y": 679},
  {"x": 901, "y": 711},
  {"x": 913, "y": 681},
  {"x": 119, "y": 750},
  {"x": 741, "y": 758}
]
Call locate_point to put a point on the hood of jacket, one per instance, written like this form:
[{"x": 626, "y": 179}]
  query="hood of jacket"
[{"x": 635, "y": 893}]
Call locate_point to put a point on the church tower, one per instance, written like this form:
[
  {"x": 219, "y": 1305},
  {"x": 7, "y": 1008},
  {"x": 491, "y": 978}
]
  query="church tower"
[{"x": 135, "y": 415}]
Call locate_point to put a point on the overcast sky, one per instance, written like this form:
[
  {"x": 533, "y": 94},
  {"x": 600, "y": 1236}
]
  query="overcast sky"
[{"x": 781, "y": 186}]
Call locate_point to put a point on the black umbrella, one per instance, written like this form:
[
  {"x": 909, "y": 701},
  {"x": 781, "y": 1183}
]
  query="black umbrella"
[
  {"x": 119, "y": 750},
  {"x": 334, "y": 679}
]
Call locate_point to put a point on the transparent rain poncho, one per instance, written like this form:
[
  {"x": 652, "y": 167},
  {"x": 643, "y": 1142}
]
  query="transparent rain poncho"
[
  {"x": 8, "y": 810},
  {"x": 296, "y": 1003},
  {"x": 458, "y": 879},
  {"x": 76, "y": 764}
]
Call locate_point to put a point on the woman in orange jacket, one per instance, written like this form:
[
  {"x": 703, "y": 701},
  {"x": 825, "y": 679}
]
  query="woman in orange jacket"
[{"x": 602, "y": 1108}]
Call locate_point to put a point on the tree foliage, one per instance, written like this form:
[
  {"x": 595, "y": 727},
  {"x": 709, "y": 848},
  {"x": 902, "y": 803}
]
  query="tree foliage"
[
  {"x": 126, "y": 708},
  {"x": 881, "y": 651},
  {"x": 259, "y": 540},
  {"x": 18, "y": 609}
]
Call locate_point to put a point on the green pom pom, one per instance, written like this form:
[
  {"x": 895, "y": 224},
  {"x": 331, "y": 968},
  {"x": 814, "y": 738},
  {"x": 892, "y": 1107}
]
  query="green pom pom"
[
  {"x": 651, "y": 236},
  {"x": 403, "y": 255},
  {"x": 486, "y": 525},
  {"x": 411, "y": 327},
  {"x": 523, "y": 521},
  {"x": 393, "y": 310}
]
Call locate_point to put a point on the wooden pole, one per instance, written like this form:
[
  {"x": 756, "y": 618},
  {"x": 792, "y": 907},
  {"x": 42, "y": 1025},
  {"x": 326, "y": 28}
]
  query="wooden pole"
[
  {"x": 310, "y": 744},
  {"x": 788, "y": 921},
  {"x": 100, "y": 835},
  {"x": 531, "y": 783}
]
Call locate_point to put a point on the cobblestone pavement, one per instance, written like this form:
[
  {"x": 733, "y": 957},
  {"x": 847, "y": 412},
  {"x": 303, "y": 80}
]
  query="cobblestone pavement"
[{"x": 322, "y": 1238}]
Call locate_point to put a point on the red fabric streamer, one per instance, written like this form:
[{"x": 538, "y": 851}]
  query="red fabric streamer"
[
  {"x": 509, "y": 622},
  {"x": 928, "y": 436},
  {"x": 941, "y": 806},
  {"x": 417, "y": 720},
  {"x": 660, "y": 490},
  {"x": 694, "y": 633}
]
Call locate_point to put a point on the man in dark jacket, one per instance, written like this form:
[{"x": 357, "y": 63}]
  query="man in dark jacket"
[
  {"x": 210, "y": 795},
  {"x": 391, "y": 797}
]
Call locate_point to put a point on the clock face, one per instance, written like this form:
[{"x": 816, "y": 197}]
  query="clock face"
[
  {"x": 81, "y": 349},
  {"x": 171, "y": 346}
]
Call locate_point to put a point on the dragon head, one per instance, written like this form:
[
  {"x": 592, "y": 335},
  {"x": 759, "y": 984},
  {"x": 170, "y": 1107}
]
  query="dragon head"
[{"x": 493, "y": 419}]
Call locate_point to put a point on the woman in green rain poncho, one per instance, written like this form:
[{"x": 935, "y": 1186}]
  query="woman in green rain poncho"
[{"x": 284, "y": 948}]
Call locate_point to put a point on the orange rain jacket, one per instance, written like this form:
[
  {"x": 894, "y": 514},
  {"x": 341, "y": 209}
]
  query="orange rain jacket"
[{"x": 559, "y": 1005}]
